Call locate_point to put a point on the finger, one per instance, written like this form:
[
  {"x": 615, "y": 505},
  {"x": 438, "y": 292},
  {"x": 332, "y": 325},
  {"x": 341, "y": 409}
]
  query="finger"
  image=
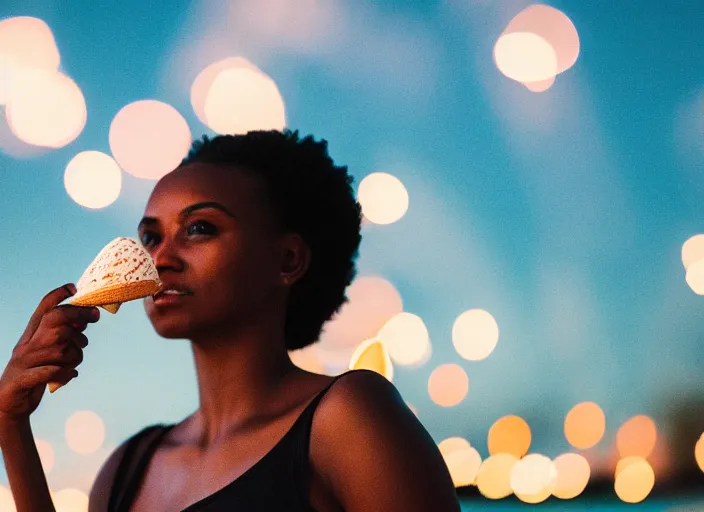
[
  {"x": 79, "y": 326},
  {"x": 50, "y": 300},
  {"x": 42, "y": 375},
  {"x": 66, "y": 354},
  {"x": 66, "y": 314}
]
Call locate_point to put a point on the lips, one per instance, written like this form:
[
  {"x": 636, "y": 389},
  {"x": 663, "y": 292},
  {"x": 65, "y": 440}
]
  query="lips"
[{"x": 175, "y": 290}]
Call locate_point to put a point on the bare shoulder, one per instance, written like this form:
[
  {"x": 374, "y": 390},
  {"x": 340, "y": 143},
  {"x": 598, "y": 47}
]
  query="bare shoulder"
[
  {"x": 373, "y": 453},
  {"x": 102, "y": 485},
  {"x": 101, "y": 489}
]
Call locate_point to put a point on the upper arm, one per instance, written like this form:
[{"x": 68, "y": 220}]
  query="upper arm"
[
  {"x": 102, "y": 485},
  {"x": 374, "y": 454}
]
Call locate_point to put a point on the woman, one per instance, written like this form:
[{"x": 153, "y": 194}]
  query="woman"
[{"x": 256, "y": 237}]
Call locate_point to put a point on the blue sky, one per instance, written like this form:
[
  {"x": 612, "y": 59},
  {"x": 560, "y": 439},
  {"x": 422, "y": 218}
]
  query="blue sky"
[{"x": 562, "y": 213}]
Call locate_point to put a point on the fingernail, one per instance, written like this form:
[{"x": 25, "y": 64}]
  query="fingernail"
[
  {"x": 96, "y": 313},
  {"x": 71, "y": 288}
]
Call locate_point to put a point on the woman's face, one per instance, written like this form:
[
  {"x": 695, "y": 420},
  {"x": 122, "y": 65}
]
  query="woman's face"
[{"x": 211, "y": 233}]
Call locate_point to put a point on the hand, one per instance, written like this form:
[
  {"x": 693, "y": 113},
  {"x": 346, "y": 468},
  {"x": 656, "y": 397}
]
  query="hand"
[{"x": 49, "y": 350}]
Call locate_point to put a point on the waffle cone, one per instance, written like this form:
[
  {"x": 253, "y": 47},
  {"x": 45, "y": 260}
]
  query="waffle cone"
[{"x": 111, "y": 297}]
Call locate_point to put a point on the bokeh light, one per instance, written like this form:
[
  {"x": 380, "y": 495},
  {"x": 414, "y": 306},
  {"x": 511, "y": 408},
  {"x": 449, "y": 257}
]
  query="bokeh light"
[
  {"x": 553, "y": 26},
  {"x": 93, "y": 179},
  {"x": 372, "y": 355},
  {"x": 693, "y": 250},
  {"x": 448, "y": 385},
  {"x": 148, "y": 138},
  {"x": 70, "y": 500},
  {"x": 541, "y": 86},
  {"x": 12, "y": 146},
  {"x": 383, "y": 197},
  {"x": 45, "y": 108},
  {"x": 7, "y": 502},
  {"x": 585, "y": 424},
  {"x": 46, "y": 455},
  {"x": 525, "y": 57},
  {"x": 407, "y": 338},
  {"x": 509, "y": 434},
  {"x": 463, "y": 466},
  {"x": 204, "y": 81},
  {"x": 573, "y": 474},
  {"x": 532, "y": 474},
  {"x": 475, "y": 334},
  {"x": 85, "y": 432},
  {"x": 494, "y": 476},
  {"x": 699, "y": 452},
  {"x": 453, "y": 444},
  {"x": 636, "y": 437},
  {"x": 625, "y": 462},
  {"x": 242, "y": 99},
  {"x": 634, "y": 482},
  {"x": 695, "y": 277},
  {"x": 372, "y": 301},
  {"x": 307, "y": 359},
  {"x": 25, "y": 42}
]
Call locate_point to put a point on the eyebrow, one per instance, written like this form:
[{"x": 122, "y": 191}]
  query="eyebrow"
[{"x": 150, "y": 221}]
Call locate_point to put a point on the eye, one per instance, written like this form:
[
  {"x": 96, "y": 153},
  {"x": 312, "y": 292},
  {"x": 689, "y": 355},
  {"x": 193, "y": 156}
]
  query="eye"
[
  {"x": 201, "y": 227},
  {"x": 148, "y": 238}
]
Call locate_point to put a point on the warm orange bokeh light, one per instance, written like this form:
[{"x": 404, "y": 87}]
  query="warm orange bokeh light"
[
  {"x": 25, "y": 42},
  {"x": 383, "y": 197},
  {"x": 45, "y": 108},
  {"x": 695, "y": 277},
  {"x": 70, "y": 500},
  {"x": 532, "y": 475},
  {"x": 85, "y": 432},
  {"x": 699, "y": 452},
  {"x": 636, "y": 437},
  {"x": 448, "y": 384},
  {"x": 572, "y": 475},
  {"x": 475, "y": 334},
  {"x": 494, "y": 476},
  {"x": 407, "y": 339},
  {"x": 693, "y": 250},
  {"x": 554, "y": 27},
  {"x": 625, "y": 462},
  {"x": 93, "y": 179},
  {"x": 372, "y": 355},
  {"x": 307, "y": 359},
  {"x": 525, "y": 57},
  {"x": 372, "y": 301},
  {"x": 243, "y": 99},
  {"x": 585, "y": 424},
  {"x": 149, "y": 138},
  {"x": 7, "y": 502},
  {"x": 46, "y": 455},
  {"x": 204, "y": 81},
  {"x": 635, "y": 481},
  {"x": 510, "y": 434},
  {"x": 463, "y": 465},
  {"x": 453, "y": 444}
]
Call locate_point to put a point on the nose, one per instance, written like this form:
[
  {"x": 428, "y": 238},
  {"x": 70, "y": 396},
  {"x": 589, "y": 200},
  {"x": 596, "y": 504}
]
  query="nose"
[{"x": 166, "y": 256}]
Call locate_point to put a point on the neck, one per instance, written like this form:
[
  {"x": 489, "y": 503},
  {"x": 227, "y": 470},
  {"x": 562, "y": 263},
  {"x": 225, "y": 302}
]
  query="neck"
[{"x": 238, "y": 374}]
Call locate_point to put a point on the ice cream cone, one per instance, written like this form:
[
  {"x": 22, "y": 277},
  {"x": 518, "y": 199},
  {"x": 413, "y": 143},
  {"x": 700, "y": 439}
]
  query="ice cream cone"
[{"x": 122, "y": 271}]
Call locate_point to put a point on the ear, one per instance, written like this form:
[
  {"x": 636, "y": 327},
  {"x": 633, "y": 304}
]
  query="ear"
[{"x": 295, "y": 258}]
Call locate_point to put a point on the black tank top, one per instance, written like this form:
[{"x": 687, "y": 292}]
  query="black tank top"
[{"x": 279, "y": 481}]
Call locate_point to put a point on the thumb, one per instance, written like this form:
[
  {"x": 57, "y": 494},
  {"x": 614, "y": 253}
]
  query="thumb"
[{"x": 50, "y": 300}]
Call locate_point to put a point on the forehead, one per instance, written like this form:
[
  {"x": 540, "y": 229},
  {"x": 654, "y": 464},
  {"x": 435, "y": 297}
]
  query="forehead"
[{"x": 238, "y": 190}]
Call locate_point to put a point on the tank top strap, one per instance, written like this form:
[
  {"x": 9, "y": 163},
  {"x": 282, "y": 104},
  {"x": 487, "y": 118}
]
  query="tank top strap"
[
  {"x": 138, "y": 452},
  {"x": 302, "y": 440}
]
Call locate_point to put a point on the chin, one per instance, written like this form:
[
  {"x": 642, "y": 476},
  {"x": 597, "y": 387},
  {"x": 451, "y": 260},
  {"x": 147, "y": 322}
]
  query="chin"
[{"x": 170, "y": 324}]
